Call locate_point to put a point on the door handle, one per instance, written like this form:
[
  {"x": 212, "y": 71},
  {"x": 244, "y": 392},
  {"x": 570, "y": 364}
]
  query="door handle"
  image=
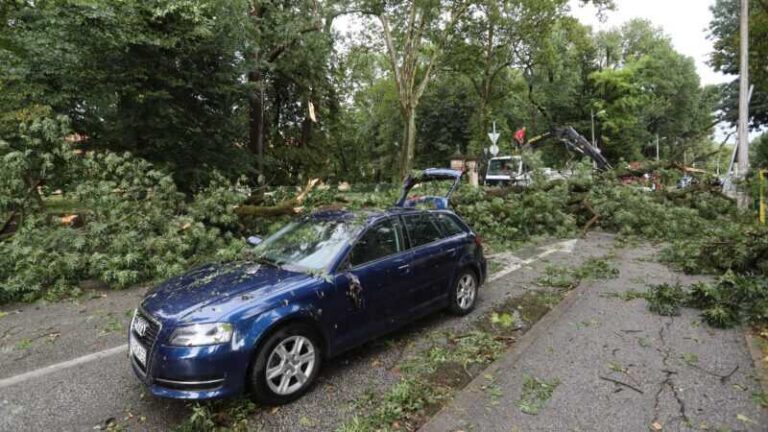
[
  {"x": 450, "y": 252},
  {"x": 404, "y": 267}
]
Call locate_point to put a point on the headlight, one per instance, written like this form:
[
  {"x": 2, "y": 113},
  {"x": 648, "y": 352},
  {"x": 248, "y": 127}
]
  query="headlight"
[{"x": 202, "y": 334}]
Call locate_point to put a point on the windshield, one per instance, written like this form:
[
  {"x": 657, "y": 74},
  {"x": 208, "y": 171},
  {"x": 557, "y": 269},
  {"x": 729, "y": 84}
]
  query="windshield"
[
  {"x": 308, "y": 245},
  {"x": 503, "y": 166}
]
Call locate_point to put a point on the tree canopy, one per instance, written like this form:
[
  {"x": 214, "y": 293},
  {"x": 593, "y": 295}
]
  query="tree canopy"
[{"x": 280, "y": 91}]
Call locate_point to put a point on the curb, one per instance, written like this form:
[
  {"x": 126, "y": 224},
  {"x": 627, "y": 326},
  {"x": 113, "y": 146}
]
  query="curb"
[
  {"x": 761, "y": 368},
  {"x": 512, "y": 355}
]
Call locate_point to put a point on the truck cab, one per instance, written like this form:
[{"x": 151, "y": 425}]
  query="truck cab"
[{"x": 506, "y": 171}]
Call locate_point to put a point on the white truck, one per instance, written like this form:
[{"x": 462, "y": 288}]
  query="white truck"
[{"x": 511, "y": 170}]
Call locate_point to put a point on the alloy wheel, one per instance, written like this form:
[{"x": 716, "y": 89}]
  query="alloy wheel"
[
  {"x": 466, "y": 291},
  {"x": 290, "y": 364}
]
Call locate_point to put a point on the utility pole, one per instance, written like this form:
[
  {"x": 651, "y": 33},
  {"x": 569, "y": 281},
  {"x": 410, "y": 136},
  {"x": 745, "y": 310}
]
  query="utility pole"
[
  {"x": 592, "y": 115},
  {"x": 743, "y": 146},
  {"x": 657, "y": 147}
]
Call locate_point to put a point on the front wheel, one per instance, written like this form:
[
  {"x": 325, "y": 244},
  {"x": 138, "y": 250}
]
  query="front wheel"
[
  {"x": 286, "y": 365},
  {"x": 464, "y": 293}
]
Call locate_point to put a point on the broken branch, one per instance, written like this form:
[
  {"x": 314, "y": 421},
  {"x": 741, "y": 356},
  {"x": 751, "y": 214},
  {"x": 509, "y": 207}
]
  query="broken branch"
[{"x": 288, "y": 207}]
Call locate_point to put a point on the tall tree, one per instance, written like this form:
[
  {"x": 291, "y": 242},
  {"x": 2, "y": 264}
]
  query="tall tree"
[
  {"x": 161, "y": 79},
  {"x": 724, "y": 30},
  {"x": 497, "y": 36},
  {"x": 645, "y": 89},
  {"x": 290, "y": 76},
  {"x": 415, "y": 34}
]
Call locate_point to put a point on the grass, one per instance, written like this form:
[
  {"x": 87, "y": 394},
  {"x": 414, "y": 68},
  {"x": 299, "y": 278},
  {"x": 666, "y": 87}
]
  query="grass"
[
  {"x": 690, "y": 358},
  {"x": 570, "y": 277},
  {"x": 113, "y": 324},
  {"x": 760, "y": 398},
  {"x": 429, "y": 379},
  {"x": 23, "y": 344},
  {"x": 434, "y": 375},
  {"x": 628, "y": 295},
  {"x": 536, "y": 393}
]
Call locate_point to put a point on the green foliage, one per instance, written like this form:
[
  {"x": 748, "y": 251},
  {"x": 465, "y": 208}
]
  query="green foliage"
[
  {"x": 732, "y": 300},
  {"x": 727, "y": 246},
  {"x": 505, "y": 220},
  {"x": 161, "y": 79},
  {"x": 503, "y": 319},
  {"x": 418, "y": 389},
  {"x": 724, "y": 29},
  {"x": 666, "y": 299},
  {"x": 535, "y": 394},
  {"x": 558, "y": 277},
  {"x": 759, "y": 151},
  {"x": 138, "y": 227},
  {"x": 33, "y": 155},
  {"x": 648, "y": 88},
  {"x": 230, "y": 415}
]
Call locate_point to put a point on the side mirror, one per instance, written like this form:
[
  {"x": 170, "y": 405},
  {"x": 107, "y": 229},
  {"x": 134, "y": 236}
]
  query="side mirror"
[{"x": 254, "y": 240}]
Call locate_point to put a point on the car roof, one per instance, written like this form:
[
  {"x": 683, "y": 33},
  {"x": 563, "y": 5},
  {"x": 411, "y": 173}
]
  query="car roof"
[{"x": 369, "y": 215}]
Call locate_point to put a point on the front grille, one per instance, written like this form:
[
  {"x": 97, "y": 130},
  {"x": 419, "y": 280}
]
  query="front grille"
[{"x": 150, "y": 335}]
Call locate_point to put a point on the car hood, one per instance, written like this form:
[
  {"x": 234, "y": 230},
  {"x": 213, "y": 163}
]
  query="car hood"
[{"x": 214, "y": 284}]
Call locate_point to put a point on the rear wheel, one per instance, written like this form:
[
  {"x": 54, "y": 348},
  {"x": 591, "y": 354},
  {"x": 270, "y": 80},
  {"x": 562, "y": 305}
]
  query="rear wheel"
[
  {"x": 286, "y": 365},
  {"x": 464, "y": 293}
]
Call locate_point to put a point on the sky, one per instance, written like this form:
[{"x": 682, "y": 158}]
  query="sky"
[{"x": 685, "y": 21}]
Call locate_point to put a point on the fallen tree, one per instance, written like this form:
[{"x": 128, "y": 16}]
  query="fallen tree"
[{"x": 287, "y": 207}]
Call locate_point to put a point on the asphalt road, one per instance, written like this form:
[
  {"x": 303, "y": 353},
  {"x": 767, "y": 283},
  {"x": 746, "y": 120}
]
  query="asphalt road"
[
  {"x": 670, "y": 373},
  {"x": 62, "y": 365}
]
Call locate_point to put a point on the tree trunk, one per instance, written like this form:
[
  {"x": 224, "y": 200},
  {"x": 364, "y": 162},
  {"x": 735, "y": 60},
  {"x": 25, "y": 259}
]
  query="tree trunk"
[
  {"x": 408, "y": 148},
  {"x": 256, "y": 120}
]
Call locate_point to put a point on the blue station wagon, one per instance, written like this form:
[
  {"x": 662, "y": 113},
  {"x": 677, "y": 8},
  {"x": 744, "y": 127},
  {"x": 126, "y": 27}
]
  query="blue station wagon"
[{"x": 319, "y": 286}]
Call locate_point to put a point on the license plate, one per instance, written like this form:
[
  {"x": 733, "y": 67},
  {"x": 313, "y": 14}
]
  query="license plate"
[{"x": 138, "y": 351}]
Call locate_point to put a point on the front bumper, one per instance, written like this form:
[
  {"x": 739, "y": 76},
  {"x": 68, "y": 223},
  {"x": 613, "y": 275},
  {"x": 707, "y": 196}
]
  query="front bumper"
[{"x": 196, "y": 373}]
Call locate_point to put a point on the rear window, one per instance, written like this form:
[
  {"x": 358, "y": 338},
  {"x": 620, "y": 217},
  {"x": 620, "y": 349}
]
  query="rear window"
[
  {"x": 422, "y": 229},
  {"x": 449, "y": 225}
]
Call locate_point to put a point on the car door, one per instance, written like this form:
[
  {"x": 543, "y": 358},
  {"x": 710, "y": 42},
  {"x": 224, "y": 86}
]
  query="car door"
[
  {"x": 377, "y": 268},
  {"x": 431, "y": 260}
]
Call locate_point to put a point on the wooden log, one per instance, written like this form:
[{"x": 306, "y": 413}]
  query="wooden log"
[{"x": 288, "y": 207}]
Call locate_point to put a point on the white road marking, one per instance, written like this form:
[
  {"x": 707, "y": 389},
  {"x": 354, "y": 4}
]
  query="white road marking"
[
  {"x": 37, "y": 373},
  {"x": 515, "y": 263}
]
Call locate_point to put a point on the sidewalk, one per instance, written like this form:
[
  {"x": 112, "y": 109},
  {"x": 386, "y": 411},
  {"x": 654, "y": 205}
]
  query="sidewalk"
[{"x": 611, "y": 365}]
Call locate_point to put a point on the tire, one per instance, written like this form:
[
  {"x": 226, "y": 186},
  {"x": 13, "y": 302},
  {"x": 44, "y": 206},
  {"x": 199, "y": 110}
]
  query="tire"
[
  {"x": 464, "y": 293},
  {"x": 292, "y": 372}
]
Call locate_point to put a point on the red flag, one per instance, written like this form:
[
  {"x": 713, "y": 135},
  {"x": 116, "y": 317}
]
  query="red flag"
[{"x": 520, "y": 136}]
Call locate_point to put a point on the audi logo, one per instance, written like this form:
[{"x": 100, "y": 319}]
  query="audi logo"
[{"x": 140, "y": 326}]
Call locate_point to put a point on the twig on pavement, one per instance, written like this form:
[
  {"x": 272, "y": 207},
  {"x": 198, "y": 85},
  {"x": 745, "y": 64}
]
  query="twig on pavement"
[{"x": 621, "y": 383}]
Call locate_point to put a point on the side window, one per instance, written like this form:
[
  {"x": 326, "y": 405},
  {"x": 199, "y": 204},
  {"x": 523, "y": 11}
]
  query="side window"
[
  {"x": 421, "y": 229},
  {"x": 379, "y": 241},
  {"x": 449, "y": 225}
]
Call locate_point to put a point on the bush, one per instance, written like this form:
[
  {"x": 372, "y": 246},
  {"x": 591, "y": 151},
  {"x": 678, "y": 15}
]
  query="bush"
[
  {"x": 732, "y": 300},
  {"x": 728, "y": 246},
  {"x": 137, "y": 227},
  {"x": 666, "y": 299},
  {"x": 517, "y": 217}
]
